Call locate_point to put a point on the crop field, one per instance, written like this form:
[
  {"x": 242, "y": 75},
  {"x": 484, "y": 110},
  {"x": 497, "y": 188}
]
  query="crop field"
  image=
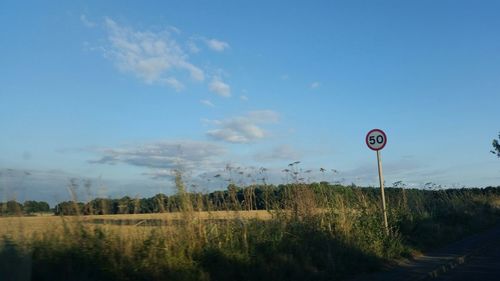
[
  {"x": 320, "y": 232},
  {"x": 23, "y": 227}
]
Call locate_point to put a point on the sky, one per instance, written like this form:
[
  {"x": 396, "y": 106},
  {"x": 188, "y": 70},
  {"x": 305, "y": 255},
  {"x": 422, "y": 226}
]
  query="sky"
[{"x": 122, "y": 93}]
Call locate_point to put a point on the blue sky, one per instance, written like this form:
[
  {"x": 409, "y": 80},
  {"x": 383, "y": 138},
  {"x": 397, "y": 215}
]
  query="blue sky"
[{"x": 122, "y": 93}]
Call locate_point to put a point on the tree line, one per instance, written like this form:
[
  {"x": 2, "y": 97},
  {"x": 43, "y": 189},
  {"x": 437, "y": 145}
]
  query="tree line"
[
  {"x": 256, "y": 197},
  {"x": 13, "y": 207}
]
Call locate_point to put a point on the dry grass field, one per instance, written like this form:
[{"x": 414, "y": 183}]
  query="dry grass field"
[
  {"x": 22, "y": 228},
  {"x": 326, "y": 237}
]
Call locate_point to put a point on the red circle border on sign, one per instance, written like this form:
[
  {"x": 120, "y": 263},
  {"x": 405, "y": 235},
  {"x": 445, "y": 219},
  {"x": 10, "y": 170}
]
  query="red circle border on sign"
[{"x": 382, "y": 132}]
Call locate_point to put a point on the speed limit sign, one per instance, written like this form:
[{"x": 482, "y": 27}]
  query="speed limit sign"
[{"x": 376, "y": 139}]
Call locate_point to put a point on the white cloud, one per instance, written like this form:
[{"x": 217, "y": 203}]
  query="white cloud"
[
  {"x": 174, "y": 29},
  {"x": 87, "y": 22},
  {"x": 243, "y": 129},
  {"x": 264, "y": 116},
  {"x": 207, "y": 103},
  {"x": 243, "y": 98},
  {"x": 281, "y": 152},
  {"x": 196, "y": 73},
  {"x": 192, "y": 47},
  {"x": 154, "y": 57},
  {"x": 315, "y": 85},
  {"x": 172, "y": 82},
  {"x": 237, "y": 131},
  {"x": 217, "y": 45},
  {"x": 220, "y": 88},
  {"x": 164, "y": 155},
  {"x": 29, "y": 184},
  {"x": 160, "y": 174}
]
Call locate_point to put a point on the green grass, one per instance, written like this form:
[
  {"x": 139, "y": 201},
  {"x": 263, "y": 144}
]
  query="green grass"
[{"x": 317, "y": 232}]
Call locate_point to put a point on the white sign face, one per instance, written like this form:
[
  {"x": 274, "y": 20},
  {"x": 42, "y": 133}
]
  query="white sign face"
[{"x": 376, "y": 139}]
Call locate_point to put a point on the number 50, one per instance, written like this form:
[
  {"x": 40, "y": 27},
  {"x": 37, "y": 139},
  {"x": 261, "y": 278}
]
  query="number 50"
[{"x": 378, "y": 139}]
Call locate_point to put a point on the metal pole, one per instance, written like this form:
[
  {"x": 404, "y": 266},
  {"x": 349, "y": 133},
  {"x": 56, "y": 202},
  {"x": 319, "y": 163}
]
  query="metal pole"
[{"x": 381, "y": 181}]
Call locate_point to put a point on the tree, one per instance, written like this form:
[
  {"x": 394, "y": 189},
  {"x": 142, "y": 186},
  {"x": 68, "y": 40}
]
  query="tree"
[
  {"x": 496, "y": 146},
  {"x": 11, "y": 208},
  {"x": 68, "y": 208},
  {"x": 35, "y": 207}
]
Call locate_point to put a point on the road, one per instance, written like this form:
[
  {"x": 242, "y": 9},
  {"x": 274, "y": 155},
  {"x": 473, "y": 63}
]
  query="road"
[
  {"x": 483, "y": 266},
  {"x": 474, "y": 258}
]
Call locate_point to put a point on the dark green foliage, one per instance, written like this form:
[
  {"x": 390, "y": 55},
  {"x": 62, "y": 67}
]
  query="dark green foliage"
[
  {"x": 69, "y": 208},
  {"x": 496, "y": 146},
  {"x": 298, "y": 251},
  {"x": 302, "y": 253},
  {"x": 11, "y": 208},
  {"x": 257, "y": 197},
  {"x": 432, "y": 218},
  {"x": 14, "y": 265},
  {"x": 346, "y": 238},
  {"x": 36, "y": 207}
]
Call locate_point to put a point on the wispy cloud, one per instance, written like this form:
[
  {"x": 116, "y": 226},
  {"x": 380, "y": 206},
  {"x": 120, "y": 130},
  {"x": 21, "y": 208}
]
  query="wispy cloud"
[
  {"x": 30, "y": 184},
  {"x": 154, "y": 57},
  {"x": 159, "y": 174},
  {"x": 163, "y": 155},
  {"x": 243, "y": 129},
  {"x": 264, "y": 116},
  {"x": 192, "y": 47},
  {"x": 172, "y": 82},
  {"x": 315, "y": 85},
  {"x": 207, "y": 103},
  {"x": 87, "y": 22},
  {"x": 174, "y": 29},
  {"x": 280, "y": 152},
  {"x": 51, "y": 186},
  {"x": 220, "y": 88},
  {"x": 217, "y": 45}
]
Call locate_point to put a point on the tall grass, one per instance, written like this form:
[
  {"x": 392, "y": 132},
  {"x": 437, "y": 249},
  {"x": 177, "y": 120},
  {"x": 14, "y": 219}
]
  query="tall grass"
[{"x": 316, "y": 232}]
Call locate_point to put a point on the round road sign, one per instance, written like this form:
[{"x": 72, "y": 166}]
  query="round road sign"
[{"x": 376, "y": 139}]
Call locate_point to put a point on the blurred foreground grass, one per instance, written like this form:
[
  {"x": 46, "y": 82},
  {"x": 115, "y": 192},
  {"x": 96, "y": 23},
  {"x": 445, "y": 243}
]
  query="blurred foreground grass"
[{"x": 315, "y": 233}]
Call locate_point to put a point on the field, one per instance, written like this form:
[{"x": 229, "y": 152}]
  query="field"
[
  {"x": 24, "y": 227},
  {"x": 325, "y": 233}
]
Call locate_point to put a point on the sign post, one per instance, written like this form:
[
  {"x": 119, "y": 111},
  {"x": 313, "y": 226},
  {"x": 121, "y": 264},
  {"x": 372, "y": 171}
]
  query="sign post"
[{"x": 376, "y": 139}]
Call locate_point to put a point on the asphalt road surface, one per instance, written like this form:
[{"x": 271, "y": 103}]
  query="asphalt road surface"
[
  {"x": 483, "y": 266},
  {"x": 481, "y": 253}
]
